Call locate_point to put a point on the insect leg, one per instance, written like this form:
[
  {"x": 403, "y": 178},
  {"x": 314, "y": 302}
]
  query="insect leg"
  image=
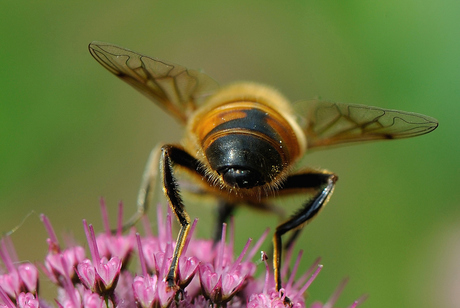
[
  {"x": 144, "y": 197},
  {"x": 322, "y": 183},
  {"x": 292, "y": 238},
  {"x": 170, "y": 156},
  {"x": 224, "y": 210}
]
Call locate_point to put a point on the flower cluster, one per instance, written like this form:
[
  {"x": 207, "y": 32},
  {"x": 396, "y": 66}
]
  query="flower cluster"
[{"x": 208, "y": 274}]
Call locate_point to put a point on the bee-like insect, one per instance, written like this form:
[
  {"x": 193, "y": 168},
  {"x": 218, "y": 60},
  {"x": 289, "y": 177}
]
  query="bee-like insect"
[{"x": 242, "y": 141}]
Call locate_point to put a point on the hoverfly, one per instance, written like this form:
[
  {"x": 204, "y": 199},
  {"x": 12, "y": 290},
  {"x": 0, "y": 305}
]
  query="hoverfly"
[{"x": 242, "y": 141}]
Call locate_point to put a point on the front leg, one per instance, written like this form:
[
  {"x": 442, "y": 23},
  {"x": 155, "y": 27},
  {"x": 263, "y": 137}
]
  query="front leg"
[
  {"x": 172, "y": 155},
  {"x": 322, "y": 183}
]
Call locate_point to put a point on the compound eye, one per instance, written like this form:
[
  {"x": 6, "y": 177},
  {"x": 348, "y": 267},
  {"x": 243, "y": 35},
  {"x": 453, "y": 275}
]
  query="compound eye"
[{"x": 241, "y": 178}]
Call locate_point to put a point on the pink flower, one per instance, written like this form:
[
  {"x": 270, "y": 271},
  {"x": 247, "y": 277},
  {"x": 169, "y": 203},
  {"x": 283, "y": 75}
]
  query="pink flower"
[
  {"x": 27, "y": 300},
  {"x": 99, "y": 275},
  {"x": 28, "y": 274},
  {"x": 223, "y": 278},
  {"x": 60, "y": 263},
  {"x": 208, "y": 273},
  {"x": 10, "y": 283},
  {"x": 150, "y": 292},
  {"x": 115, "y": 245},
  {"x": 87, "y": 274},
  {"x": 18, "y": 277}
]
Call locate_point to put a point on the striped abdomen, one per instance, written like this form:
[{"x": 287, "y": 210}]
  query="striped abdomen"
[{"x": 247, "y": 143}]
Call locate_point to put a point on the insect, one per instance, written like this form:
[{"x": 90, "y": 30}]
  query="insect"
[{"x": 242, "y": 141}]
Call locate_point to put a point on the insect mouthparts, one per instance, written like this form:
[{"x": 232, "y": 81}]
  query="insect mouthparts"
[{"x": 241, "y": 178}]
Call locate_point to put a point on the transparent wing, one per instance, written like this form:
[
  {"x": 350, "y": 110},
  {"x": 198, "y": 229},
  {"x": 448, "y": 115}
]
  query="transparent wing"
[
  {"x": 175, "y": 88},
  {"x": 328, "y": 123}
]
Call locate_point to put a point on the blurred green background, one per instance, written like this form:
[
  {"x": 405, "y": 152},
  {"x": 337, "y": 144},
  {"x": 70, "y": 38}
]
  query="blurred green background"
[{"x": 71, "y": 132}]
